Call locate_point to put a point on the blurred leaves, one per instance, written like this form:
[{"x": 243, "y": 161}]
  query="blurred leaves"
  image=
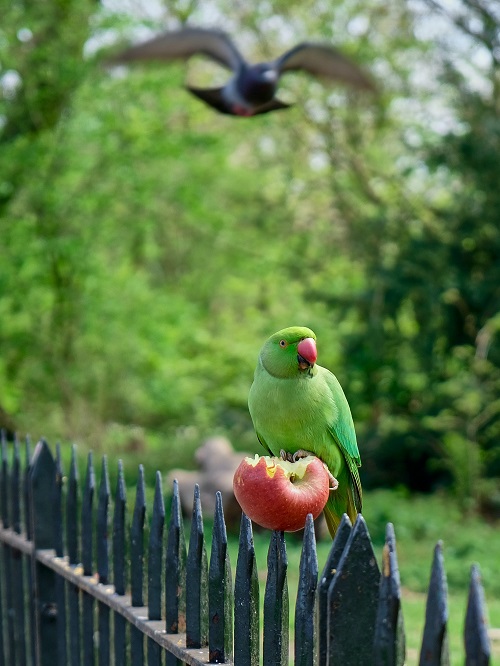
[{"x": 150, "y": 245}]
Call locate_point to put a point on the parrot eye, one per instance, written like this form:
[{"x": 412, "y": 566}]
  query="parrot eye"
[{"x": 283, "y": 343}]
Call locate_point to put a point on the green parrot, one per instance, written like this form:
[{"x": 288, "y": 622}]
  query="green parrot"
[{"x": 299, "y": 408}]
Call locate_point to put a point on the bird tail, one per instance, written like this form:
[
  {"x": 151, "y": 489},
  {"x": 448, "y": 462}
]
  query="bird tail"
[{"x": 337, "y": 505}]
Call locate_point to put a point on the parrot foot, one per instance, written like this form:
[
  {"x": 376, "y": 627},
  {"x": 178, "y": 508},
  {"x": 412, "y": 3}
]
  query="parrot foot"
[
  {"x": 334, "y": 484},
  {"x": 301, "y": 453},
  {"x": 293, "y": 457},
  {"x": 284, "y": 455}
]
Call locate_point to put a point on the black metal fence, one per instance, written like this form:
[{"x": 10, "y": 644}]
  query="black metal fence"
[{"x": 73, "y": 577}]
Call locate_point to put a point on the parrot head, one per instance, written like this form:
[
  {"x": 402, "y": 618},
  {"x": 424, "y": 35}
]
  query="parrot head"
[{"x": 290, "y": 352}]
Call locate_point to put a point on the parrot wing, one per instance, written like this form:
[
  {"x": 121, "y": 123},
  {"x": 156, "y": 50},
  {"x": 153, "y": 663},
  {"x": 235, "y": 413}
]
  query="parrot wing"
[
  {"x": 342, "y": 431},
  {"x": 263, "y": 443}
]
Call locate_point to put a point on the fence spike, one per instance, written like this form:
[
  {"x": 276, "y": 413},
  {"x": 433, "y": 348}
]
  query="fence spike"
[
  {"x": 103, "y": 562},
  {"x": 389, "y": 645},
  {"x": 329, "y": 570},
  {"x": 42, "y": 489},
  {"x": 137, "y": 564},
  {"x": 87, "y": 515},
  {"x": 62, "y": 648},
  {"x": 435, "y": 650},
  {"x": 72, "y": 541},
  {"x": 246, "y": 599},
  {"x": 175, "y": 569},
  {"x": 220, "y": 601},
  {"x": 196, "y": 580},
  {"x": 27, "y": 526},
  {"x": 353, "y": 600},
  {"x": 276, "y": 616},
  {"x": 42, "y": 481},
  {"x": 26, "y": 476},
  {"x": 102, "y": 524},
  {"x": 306, "y": 607},
  {"x": 58, "y": 510},
  {"x": 16, "y": 488},
  {"x": 137, "y": 541},
  {"x": 119, "y": 575},
  {"x": 477, "y": 642},
  {"x": 156, "y": 553},
  {"x": 119, "y": 532},
  {"x": 155, "y": 558},
  {"x": 72, "y": 510},
  {"x": 87, "y": 561},
  {"x": 16, "y": 561}
]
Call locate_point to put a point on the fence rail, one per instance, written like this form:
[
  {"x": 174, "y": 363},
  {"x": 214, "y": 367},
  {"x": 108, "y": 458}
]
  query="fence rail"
[{"x": 72, "y": 594}]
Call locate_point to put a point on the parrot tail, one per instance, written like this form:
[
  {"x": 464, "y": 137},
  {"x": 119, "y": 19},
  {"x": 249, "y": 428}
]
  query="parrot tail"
[{"x": 335, "y": 508}]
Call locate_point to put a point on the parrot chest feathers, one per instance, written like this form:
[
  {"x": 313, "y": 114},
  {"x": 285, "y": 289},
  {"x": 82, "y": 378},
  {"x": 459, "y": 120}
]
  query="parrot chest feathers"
[{"x": 292, "y": 414}]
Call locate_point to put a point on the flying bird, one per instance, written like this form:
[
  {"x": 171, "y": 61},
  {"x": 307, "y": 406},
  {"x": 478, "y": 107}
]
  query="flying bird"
[
  {"x": 299, "y": 408},
  {"x": 251, "y": 90}
]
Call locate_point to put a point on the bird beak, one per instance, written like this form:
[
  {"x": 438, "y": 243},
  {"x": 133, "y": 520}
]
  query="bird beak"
[{"x": 307, "y": 353}]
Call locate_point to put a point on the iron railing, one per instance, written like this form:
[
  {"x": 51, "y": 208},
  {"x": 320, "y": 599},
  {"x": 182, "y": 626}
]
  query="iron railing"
[{"x": 73, "y": 594}]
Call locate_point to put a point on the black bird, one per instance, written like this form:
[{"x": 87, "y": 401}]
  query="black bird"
[{"x": 252, "y": 88}]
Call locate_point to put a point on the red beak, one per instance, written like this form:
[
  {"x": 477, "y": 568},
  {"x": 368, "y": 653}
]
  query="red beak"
[{"x": 307, "y": 349}]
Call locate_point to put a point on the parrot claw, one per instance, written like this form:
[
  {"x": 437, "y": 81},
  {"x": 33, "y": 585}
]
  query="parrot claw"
[
  {"x": 301, "y": 453},
  {"x": 334, "y": 484},
  {"x": 284, "y": 455}
]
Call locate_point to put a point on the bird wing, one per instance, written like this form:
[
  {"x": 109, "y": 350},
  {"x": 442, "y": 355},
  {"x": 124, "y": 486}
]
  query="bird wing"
[
  {"x": 324, "y": 61},
  {"x": 342, "y": 431},
  {"x": 213, "y": 97},
  {"x": 263, "y": 443},
  {"x": 185, "y": 43}
]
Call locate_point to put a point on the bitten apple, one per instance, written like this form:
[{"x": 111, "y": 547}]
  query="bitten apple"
[{"x": 278, "y": 494}]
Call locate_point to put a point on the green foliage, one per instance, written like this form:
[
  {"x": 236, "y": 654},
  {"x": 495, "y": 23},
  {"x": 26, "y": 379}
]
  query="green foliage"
[{"x": 149, "y": 245}]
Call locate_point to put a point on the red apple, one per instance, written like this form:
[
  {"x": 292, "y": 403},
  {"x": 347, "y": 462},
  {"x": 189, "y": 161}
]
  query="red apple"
[{"x": 278, "y": 494}]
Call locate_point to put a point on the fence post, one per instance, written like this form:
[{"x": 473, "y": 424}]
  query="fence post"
[
  {"x": 155, "y": 558},
  {"x": 10, "y": 645},
  {"x": 42, "y": 493},
  {"x": 329, "y": 571},
  {"x": 119, "y": 576},
  {"x": 220, "y": 598},
  {"x": 196, "y": 580},
  {"x": 246, "y": 600},
  {"x": 104, "y": 615},
  {"x": 435, "y": 651},
  {"x": 306, "y": 648},
  {"x": 62, "y": 646},
  {"x": 276, "y": 615},
  {"x": 353, "y": 601},
  {"x": 87, "y": 542},
  {"x": 136, "y": 571},
  {"x": 477, "y": 643},
  {"x": 17, "y": 558},
  {"x": 175, "y": 574},
  {"x": 72, "y": 543},
  {"x": 389, "y": 647},
  {"x": 3, "y": 499}
]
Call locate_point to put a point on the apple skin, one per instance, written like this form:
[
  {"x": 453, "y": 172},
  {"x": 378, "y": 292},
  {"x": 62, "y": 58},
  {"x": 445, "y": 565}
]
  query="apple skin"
[{"x": 278, "y": 494}]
